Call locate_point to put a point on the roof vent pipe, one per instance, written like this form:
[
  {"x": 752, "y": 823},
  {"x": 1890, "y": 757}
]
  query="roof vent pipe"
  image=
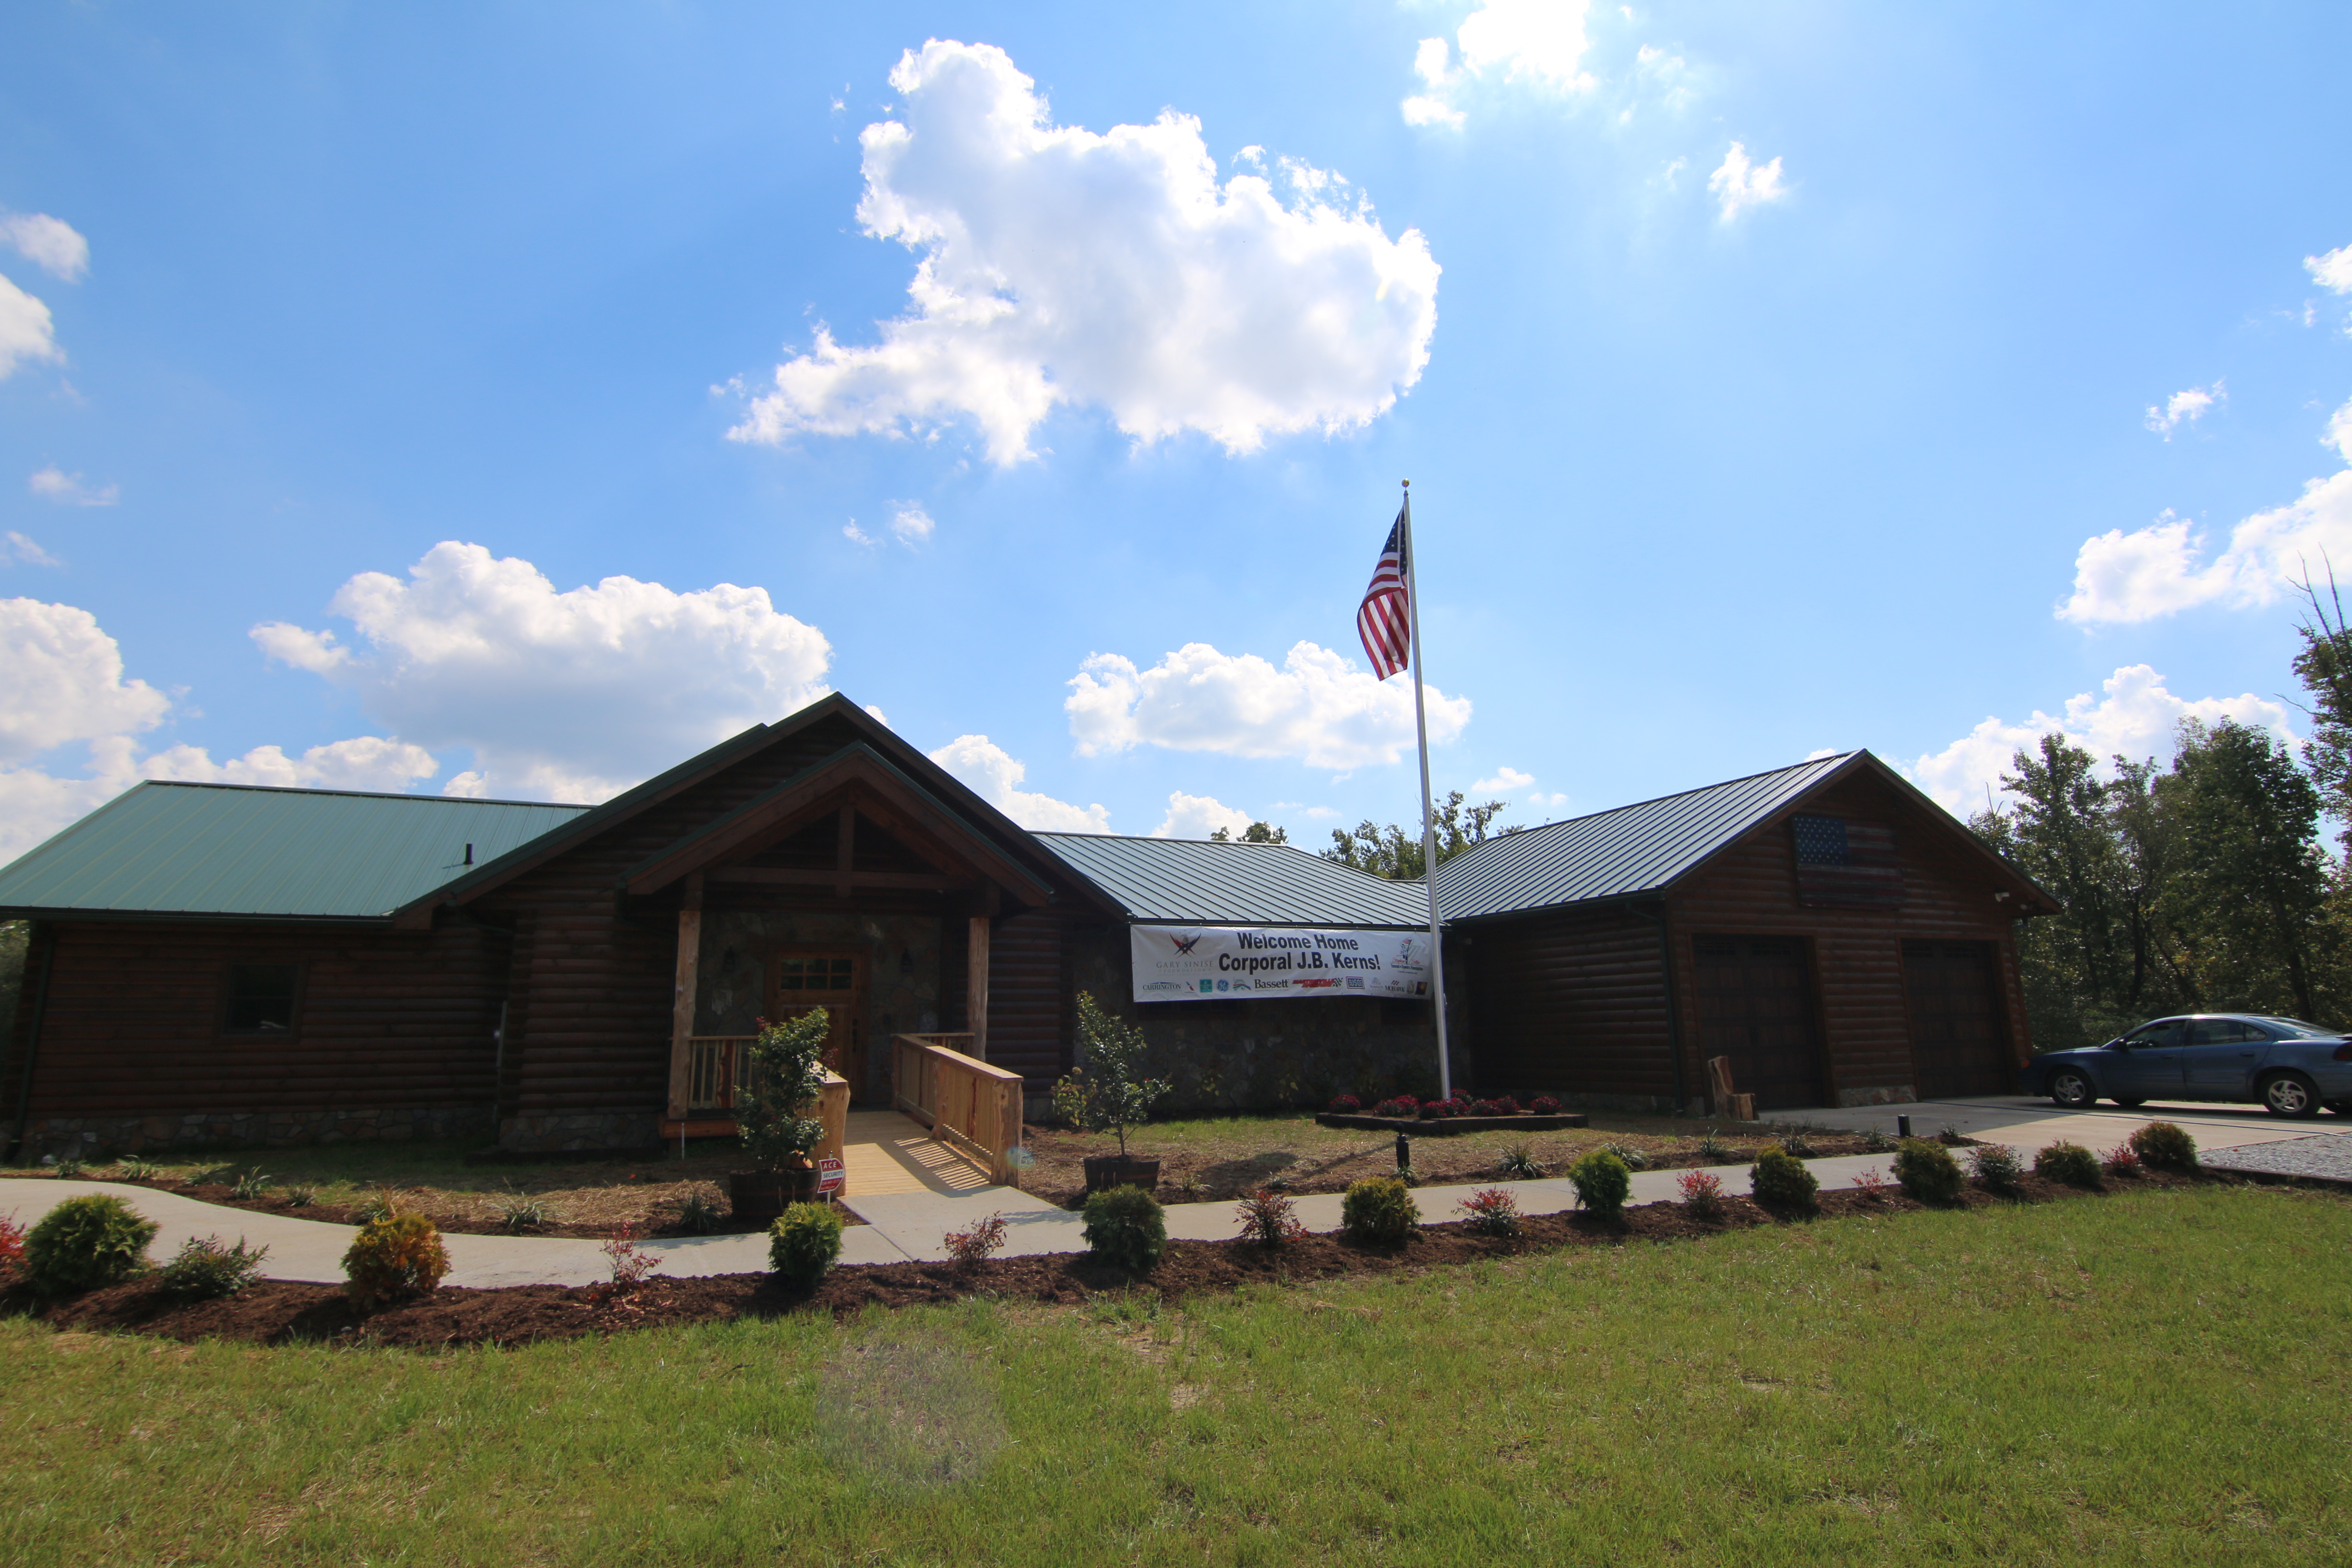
[{"x": 469, "y": 854}]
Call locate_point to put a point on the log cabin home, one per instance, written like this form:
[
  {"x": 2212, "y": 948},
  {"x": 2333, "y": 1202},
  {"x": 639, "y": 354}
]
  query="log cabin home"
[{"x": 239, "y": 965}]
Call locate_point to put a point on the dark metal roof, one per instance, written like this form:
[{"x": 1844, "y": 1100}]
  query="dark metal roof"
[
  {"x": 251, "y": 851},
  {"x": 1213, "y": 883},
  {"x": 1630, "y": 850}
]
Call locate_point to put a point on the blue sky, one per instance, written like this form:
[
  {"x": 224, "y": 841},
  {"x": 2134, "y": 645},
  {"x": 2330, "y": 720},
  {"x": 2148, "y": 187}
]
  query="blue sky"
[{"x": 434, "y": 397}]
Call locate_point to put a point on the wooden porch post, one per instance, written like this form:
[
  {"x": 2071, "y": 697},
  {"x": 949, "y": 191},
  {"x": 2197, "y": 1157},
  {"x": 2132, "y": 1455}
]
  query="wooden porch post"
[
  {"x": 975, "y": 994},
  {"x": 681, "y": 1016}
]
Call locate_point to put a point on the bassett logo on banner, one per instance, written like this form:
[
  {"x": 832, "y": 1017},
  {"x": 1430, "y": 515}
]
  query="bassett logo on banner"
[{"x": 1186, "y": 964}]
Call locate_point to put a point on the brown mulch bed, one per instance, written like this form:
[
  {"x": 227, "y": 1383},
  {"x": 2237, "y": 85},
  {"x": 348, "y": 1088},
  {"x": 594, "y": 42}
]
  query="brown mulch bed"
[
  {"x": 446, "y": 1216},
  {"x": 282, "y": 1313}
]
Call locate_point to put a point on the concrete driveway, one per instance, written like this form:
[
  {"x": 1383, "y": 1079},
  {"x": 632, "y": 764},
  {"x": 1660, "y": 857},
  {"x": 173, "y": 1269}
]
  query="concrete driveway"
[{"x": 2031, "y": 1124}]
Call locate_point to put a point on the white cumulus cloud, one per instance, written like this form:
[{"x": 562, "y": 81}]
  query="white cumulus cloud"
[
  {"x": 53, "y": 483},
  {"x": 913, "y": 524},
  {"x": 2333, "y": 271},
  {"x": 1505, "y": 780},
  {"x": 2185, "y": 406},
  {"x": 2168, "y": 567},
  {"x": 28, "y": 335},
  {"x": 1537, "y": 43},
  {"x": 574, "y": 695},
  {"x": 1198, "y": 816},
  {"x": 1063, "y": 266},
  {"x": 1739, "y": 183},
  {"x": 51, "y": 244},
  {"x": 16, "y": 549},
  {"x": 2134, "y": 718},
  {"x": 995, "y": 777},
  {"x": 1318, "y": 708},
  {"x": 67, "y": 687}
]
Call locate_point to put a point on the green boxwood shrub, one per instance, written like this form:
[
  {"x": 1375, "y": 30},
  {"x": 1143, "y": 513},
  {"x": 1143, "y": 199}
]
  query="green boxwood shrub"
[
  {"x": 2068, "y": 1162},
  {"x": 1602, "y": 1183},
  {"x": 2165, "y": 1146},
  {"x": 1780, "y": 1180},
  {"x": 1378, "y": 1210},
  {"x": 1126, "y": 1228},
  {"x": 399, "y": 1255},
  {"x": 1997, "y": 1166},
  {"x": 85, "y": 1243},
  {"x": 803, "y": 1243},
  {"x": 1927, "y": 1171}
]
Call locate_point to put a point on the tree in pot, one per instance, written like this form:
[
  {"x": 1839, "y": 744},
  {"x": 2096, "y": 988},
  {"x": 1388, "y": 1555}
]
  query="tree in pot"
[
  {"x": 787, "y": 1074},
  {"x": 1107, "y": 1093}
]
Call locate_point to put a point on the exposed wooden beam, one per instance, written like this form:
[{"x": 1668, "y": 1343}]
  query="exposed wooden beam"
[
  {"x": 681, "y": 1017},
  {"x": 975, "y": 994},
  {"x": 794, "y": 877},
  {"x": 845, "y": 850}
]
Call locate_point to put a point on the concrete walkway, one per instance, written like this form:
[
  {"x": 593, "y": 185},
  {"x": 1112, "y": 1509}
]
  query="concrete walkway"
[{"x": 911, "y": 1223}]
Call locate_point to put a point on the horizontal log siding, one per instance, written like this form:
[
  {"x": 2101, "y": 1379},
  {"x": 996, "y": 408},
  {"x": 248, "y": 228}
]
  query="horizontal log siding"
[
  {"x": 1570, "y": 1003},
  {"x": 386, "y": 1019},
  {"x": 1750, "y": 889},
  {"x": 1028, "y": 1031}
]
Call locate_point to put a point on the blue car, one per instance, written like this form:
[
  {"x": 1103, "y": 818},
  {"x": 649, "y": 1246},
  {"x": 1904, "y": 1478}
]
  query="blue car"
[{"x": 2291, "y": 1067}]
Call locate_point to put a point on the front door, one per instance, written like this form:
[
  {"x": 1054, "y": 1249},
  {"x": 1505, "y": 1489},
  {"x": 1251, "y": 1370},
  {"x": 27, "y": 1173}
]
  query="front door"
[
  {"x": 834, "y": 981},
  {"x": 1756, "y": 1006},
  {"x": 2151, "y": 1063}
]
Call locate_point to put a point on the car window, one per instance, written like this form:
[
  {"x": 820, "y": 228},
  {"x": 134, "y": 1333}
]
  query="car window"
[
  {"x": 2225, "y": 1032},
  {"x": 2296, "y": 1029},
  {"x": 2163, "y": 1032}
]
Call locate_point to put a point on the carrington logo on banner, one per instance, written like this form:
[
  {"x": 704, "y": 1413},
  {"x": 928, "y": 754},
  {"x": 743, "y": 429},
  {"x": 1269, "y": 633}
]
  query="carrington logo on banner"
[{"x": 1186, "y": 964}]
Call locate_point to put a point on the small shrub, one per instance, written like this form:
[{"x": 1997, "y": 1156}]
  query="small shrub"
[
  {"x": 1602, "y": 1183},
  {"x": 1780, "y": 1180},
  {"x": 12, "y": 1244},
  {"x": 1346, "y": 1105},
  {"x": 1401, "y": 1105},
  {"x": 85, "y": 1243},
  {"x": 1486, "y": 1108},
  {"x": 1951, "y": 1136},
  {"x": 1702, "y": 1193},
  {"x": 205, "y": 1270},
  {"x": 252, "y": 1184},
  {"x": 1269, "y": 1218},
  {"x": 1635, "y": 1158},
  {"x": 1869, "y": 1183},
  {"x": 1875, "y": 1141},
  {"x": 1519, "y": 1162},
  {"x": 803, "y": 1243},
  {"x": 1506, "y": 1106},
  {"x": 399, "y": 1255},
  {"x": 68, "y": 1167},
  {"x": 2068, "y": 1162},
  {"x": 630, "y": 1263},
  {"x": 2164, "y": 1145},
  {"x": 383, "y": 1206},
  {"x": 520, "y": 1215},
  {"x": 1927, "y": 1171},
  {"x": 2123, "y": 1159},
  {"x": 1996, "y": 1166},
  {"x": 1544, "y": 1105},
  {"x": 1378, "y": 1210},
  {"x": 970, "y": 1248},
  {"x": 1715, "y": 1151},
  {"x": 1800, "y": 1146},
  {"x": 137, "y": 1170},
  {"x": 1492, "y": 1211},
  {"x": 698, "y": 1214},
  {"x": 299, "y": 1197},
  {"x": 1126, "y": 1228},
  {"x": 1188, "y": 1187}
]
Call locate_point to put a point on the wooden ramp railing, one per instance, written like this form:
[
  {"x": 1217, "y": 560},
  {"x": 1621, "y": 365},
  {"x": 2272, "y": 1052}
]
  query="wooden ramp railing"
[
  {"x": 972, "y": 1107},
  {"x": 716, "y": 1065}
]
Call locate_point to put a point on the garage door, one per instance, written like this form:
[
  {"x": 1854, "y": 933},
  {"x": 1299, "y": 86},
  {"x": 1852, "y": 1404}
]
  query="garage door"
[
  {"x": 1756, "y": 1006},
  {"x": 1960, "y": 1041}
]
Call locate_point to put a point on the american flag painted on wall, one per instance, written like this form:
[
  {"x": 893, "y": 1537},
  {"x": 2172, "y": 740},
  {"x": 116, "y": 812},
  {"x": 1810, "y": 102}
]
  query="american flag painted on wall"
[
  {"x": 1847, "y": 865},
  {"x": 1384, "y": 620}
]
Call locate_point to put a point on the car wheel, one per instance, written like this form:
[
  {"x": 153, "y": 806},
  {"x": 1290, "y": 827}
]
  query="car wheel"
[
  {"x": 2072, "y": 1089},
  {"x": 2289, "y": 1094}
]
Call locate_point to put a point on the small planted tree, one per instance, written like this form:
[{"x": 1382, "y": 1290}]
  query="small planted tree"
[
  {"x": 771, "y": 1116},
  {"x": 1108, "y": 1093}
]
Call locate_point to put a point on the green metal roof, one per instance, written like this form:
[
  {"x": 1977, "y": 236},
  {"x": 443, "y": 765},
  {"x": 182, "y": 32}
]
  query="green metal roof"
[
  {"x": 1211, "y": 882},
  {"x": 252, "y": 852}
]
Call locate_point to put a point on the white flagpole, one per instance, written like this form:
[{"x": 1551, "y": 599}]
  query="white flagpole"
[{"x": 1428, "y": 814}]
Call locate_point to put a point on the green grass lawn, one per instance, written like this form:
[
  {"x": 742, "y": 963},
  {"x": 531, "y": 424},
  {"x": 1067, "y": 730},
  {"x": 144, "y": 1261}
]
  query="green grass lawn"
[{"x": 2148, "y": 1378}]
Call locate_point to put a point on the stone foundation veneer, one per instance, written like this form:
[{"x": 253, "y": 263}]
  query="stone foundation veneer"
[
  {"x": 147, "y": 1134},
  {"x": 1892, "y": 1094},
  {"x": 580, "y": 1129}
]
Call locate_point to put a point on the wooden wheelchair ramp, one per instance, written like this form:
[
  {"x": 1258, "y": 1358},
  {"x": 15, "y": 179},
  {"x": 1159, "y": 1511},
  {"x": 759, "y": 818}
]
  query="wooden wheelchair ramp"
[{"x": 884, "y": 1151}]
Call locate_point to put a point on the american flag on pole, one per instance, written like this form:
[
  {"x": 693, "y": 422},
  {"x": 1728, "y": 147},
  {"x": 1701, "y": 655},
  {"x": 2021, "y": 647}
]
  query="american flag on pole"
[{"x": 1383, "y": 620}]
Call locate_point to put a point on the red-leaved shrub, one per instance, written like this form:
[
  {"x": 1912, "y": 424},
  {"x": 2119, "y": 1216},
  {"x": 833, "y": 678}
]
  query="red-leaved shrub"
[
  {"x": 1346, "y": 1105},
  {"x": 1269, "y": 1218},
  {"x": 1402, "y": 1105},
  {"x": 12, "y": 1244},
  {"x": 1544, "y": 1105},
  {"x": 971, "y": 1248},
  {"x": 1702, "y": 1192},
  {"x": 1506, "y": 1106}
]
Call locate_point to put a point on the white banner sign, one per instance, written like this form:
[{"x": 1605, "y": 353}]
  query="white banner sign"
[{"x": 1186, "y": 964}]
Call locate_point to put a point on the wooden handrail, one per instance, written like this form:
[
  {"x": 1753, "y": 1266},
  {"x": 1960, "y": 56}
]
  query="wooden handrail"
[{"x": 969, "y": 1105}]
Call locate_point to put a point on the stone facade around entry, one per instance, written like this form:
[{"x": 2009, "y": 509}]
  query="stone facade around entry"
[{"x": 901, "y": 956}]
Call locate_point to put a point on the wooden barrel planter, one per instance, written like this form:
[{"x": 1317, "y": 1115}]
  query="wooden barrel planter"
[
  {"x": 1105, "y": 1172},
  {"x": 760, "y": 1196}
]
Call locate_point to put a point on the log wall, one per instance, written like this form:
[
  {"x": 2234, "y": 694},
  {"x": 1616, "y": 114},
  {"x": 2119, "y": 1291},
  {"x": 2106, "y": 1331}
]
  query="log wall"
[{"x": 1570, "y": 1003}]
